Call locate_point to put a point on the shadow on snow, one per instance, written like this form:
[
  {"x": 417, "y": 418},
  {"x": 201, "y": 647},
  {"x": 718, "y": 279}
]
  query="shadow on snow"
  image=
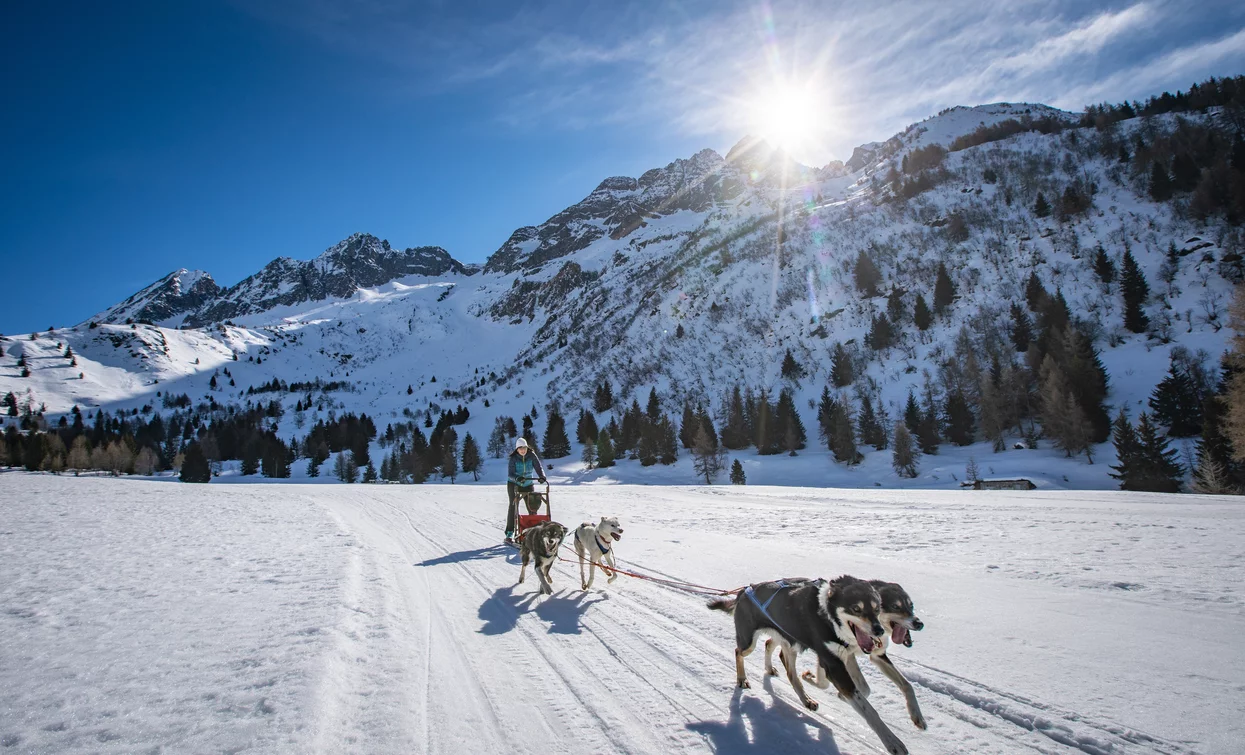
[
  {"x": 779, "y": 727},
  {"x": 562, "y": 610}
]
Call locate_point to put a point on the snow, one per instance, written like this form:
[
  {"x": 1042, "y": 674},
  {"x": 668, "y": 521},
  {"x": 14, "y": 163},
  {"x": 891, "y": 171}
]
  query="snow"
[{"x": 146, "y": 616}]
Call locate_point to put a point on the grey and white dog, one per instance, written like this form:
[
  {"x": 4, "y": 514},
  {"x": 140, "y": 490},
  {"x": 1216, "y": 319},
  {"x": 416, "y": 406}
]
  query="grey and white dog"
[
  {"x": 595, "y": 544},
  {"x": 541, "y": 544}
]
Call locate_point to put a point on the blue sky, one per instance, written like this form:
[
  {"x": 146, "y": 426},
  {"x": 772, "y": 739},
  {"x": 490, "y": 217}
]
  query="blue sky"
[{"x": 141, "y": 137}]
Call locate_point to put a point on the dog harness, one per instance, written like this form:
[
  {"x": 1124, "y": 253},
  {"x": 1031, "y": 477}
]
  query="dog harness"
[
  {"x": 782, "y": 585},
  {"x": 604, "y": 548}
]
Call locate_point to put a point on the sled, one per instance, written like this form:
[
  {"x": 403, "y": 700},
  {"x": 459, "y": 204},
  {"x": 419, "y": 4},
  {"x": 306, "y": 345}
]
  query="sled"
[{"x": 532, "y": 501}]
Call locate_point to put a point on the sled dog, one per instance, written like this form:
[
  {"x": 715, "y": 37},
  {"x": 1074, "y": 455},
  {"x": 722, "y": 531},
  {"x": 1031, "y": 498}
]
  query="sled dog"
[
  {"x": 835, "y": 619},
  {"x": 595, "y": 544},
  {"x": 541, "y": 544},
  {"x": 899, "y": 619}
]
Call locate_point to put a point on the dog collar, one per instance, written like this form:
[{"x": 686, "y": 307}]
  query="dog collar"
[{"x": 604, "y": 548}]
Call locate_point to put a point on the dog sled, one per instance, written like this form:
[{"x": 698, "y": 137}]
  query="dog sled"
[{"x": 532, "y": 501}]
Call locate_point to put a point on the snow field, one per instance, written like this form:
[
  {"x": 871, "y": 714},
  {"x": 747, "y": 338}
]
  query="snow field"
[{"x": 140, "y": 617}]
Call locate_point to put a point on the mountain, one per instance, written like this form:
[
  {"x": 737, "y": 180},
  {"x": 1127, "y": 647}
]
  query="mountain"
[
  {"x": 705, "y": 273},
  {"x": 167, "y": 300}
]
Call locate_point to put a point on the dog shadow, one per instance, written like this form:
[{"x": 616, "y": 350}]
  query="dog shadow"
[
  {"x": 478, "y": 554},
  {"x": 562, "y": 610},
  {"x": 754, "y": 727}
]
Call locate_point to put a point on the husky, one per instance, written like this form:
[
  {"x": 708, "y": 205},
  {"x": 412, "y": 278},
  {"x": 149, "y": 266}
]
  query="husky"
[
  {"x": 899, "y": 619},
  {"x": 836, "y": 620},
  {"x": 595, "y": 544},
  {"x": 541, "y": 544}
]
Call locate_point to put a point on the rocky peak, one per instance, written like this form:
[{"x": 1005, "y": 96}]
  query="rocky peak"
[{"x": 167, "y": 300}]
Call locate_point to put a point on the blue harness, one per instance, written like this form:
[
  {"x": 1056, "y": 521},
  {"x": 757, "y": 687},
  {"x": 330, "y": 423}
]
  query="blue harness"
[
  {"x": 604, "y": 548},
  {"x": 762, "y": 607}
]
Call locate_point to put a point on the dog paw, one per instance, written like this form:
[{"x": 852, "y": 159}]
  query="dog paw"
[
  {"x": 771, "y": 671},
  {"x": 743, "y": 684},
  {"x": 919, "y": 721},
  {"x": 808, "y": 677},
  {"x": 810, "y": 704}
]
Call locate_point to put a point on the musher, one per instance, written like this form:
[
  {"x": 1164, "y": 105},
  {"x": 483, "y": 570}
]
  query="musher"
[{"x": 525, "y": 469}]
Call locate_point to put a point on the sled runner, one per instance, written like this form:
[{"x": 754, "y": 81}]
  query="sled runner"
[{"x": 533, "y": 517}]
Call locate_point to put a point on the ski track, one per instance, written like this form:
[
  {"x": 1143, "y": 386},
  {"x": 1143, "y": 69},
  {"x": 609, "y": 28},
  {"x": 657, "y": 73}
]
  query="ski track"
[
  {"x": 379, "y": 619},
  {"x": 654, "y": 663}
]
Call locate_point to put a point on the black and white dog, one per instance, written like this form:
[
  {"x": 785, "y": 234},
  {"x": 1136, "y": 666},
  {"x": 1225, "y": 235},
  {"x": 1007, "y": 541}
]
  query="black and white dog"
[
  {"x": 595, "y": 544},
  {"x": 836, "y": 620},
  {"x": 541, "y": 544},
  {"x": 899, "y": 619}
]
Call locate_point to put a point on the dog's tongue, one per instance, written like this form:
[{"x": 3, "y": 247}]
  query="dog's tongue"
[
  {"x": 616, "y": 536},
  {"x": 899, "y": 635},
  {"x": 864, "y": 640}
]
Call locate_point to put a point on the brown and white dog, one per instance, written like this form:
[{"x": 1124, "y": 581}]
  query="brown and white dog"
[
  {"x": 835, "y": 619},
  {"x": 899, "y": 619},
  {"x": 595, "y": 545},
  {"x": 541, "y": 544}
]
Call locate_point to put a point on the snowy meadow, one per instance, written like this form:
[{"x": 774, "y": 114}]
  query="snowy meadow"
[{"x": 142, "y": 616}]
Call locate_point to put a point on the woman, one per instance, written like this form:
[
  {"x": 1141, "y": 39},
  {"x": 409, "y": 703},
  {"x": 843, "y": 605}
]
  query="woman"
[{"x": 525, "y": 469}]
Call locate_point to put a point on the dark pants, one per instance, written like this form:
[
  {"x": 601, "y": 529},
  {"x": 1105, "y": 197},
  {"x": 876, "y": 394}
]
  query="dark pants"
[{"x": 511, "y": 490}]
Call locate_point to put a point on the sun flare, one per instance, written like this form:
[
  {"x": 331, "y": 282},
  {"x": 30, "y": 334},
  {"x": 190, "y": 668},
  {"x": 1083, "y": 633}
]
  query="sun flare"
[{"x": 787, "y": 117}]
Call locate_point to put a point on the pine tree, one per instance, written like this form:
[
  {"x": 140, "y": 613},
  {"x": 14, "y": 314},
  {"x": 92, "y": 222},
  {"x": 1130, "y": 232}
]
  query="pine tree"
[
  {"x": 927, "y": 431},
  {"x": 605, "y": 450},
  {"x": 993, "y": 422},
  {"x": 369, "y": 473},
  {"x": 1136, "y": 290},
  {"x": 791, "y": 369},
  {"x": 1041, "y": 208},
  {"x": 1214, "y": 451},
  {"x": 589, "y": 455},
  {"x": 557, "y": 445},
  {"x": 788, "y": 425},
  {"x": 903, "y": 457},
  {"x": 250, "y": 459},
  {"x": 345, "y": 468},
  {"x": 449, "y": 454},
  {"x": 737, "y": 474},
  {"x": 841, "y": 372},
  {"x": 586, "y": 429},
  {"x": 689, "y": 425},
  {"x": 866, "y": 275},
  {"x": 471, "y": 457},
  {"x": 1160, "y": 183},
  {"x": 958, "y": 418},
  {"x": 1036, "y": 294},
  {"x": 1022, "y": 329},
  {"x": 1062, "y": 419},
  {"x": 708, "y": 458},
  {"x": 1176, "y": 404},
  {"x": 894, "y": 306},
  {"x": 868, "y": 427},
  {"x": 1104, "y": 268},
  {"x": 912, "y": 413},
  {"x": 921, "y": 316},
  {"x": 735, "y": 433},
  {"x": 880, "y": 336},
  {"x": 1087, "y": 380},
  {"x": 842, "y": 437},
  {"x": 1159, "y": 470},
  {"x": 603, "y": 399},
  {"x": 766, "y": 439},
  {"x": 668, "y": 446},
  {"x": 653, "y": 409},
  {"x": 497, "y": 439},
  {"x": 195, "y": 465},
  {"x": 944, "y": 290}
]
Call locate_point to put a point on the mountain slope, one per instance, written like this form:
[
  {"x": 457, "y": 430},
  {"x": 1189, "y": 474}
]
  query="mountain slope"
[{"x": 699, "y": 276}]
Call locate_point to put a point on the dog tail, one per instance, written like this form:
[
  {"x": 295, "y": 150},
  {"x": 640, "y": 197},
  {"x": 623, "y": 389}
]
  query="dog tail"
[{"x": 724, "y": 604}]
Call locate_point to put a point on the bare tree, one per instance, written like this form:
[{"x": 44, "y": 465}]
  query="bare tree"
[{"x": 707, "y": 458}]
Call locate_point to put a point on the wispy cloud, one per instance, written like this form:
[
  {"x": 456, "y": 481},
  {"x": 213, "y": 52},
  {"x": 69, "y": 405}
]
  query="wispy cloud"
[{"x": 698, "y": 66}]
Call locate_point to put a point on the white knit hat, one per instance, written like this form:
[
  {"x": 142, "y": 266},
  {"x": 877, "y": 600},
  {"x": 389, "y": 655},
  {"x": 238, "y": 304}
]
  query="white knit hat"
[{"x": 520, "y": 443}]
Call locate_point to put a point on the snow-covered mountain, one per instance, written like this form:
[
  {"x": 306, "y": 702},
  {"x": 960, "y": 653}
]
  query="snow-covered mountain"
[{"x": 690, "y": 279}]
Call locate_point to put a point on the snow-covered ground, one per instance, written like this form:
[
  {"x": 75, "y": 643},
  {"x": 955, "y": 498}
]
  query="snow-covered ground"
[{"x": 140, "y": 616}]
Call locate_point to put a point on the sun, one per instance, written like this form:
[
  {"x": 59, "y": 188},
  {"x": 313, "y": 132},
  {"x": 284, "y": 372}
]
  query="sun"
[{"x": 787, "y": 116}]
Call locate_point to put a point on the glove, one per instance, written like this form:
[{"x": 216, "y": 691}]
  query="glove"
[{"x": 543, "y": 481}]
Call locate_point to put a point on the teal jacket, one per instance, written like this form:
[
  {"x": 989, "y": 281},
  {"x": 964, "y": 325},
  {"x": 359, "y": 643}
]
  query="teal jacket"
[{"x": 525, "y": 469}]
